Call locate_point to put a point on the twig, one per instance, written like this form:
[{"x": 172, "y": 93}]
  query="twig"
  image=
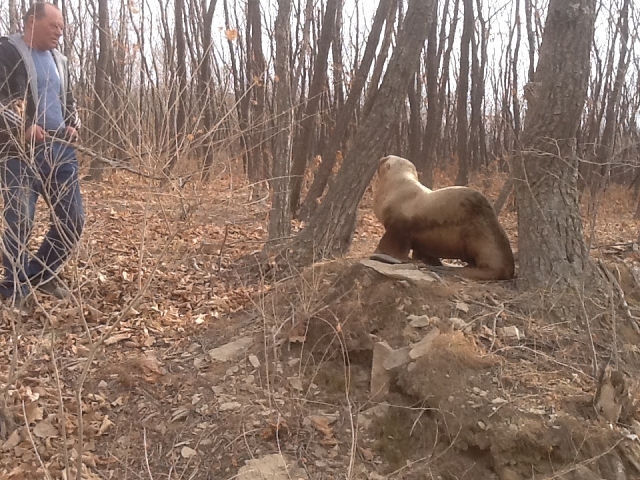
[
  {"x": 634, "y": 320},
  {"x": 146, "y": 453},
  {"x": 33, "y": 443},
  {"x": 61, "y": 413},
  {"x": 587, "y": 461},
  {"x": 224, "y": 241}
]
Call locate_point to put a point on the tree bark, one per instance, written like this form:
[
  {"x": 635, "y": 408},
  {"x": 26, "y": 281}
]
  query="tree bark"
[
  {"x": 257, "y": 154},
  {"x": 329, "y": 231},
  {"x": 302, "y": 142},
  {"x": 204, "y": 75},
  {"x": 345, "y": 115},
  {"x": 431, "y": 139},
  {"x": 463, "y": 95},
  {"x": 604, "y": 151},
  {"x": 100, "y": 121},
  {"x": 280, "y": 215},
  {"x": 178, "y": 95},
  {"x": 551, "y": 243}
]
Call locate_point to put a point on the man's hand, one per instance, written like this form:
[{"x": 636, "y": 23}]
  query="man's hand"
[
  {"x": 72, "y": 134},
  {"x": 35, "y": 134}
]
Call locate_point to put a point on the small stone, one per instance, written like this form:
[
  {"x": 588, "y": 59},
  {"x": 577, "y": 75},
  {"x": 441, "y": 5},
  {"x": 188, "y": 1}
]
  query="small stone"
[
  {"x": 231, "y": 350},
  {"x": 228, "y": 406},
  {"x": 380, "y": 376},
  {"x": 296, "y": 383},
  {"x": 421, "y": 348},
  {"x": 188, "y": 452},
  {"x": 510, "y": 333},
  {"x": 420, "y": 321},
  {"x": 254, "y": 361},
  {"x": 463, "y": 307},
  {"x": 458, "y": 323}
]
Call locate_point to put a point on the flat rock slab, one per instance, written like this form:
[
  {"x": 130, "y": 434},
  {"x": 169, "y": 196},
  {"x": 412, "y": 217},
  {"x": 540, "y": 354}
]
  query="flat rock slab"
[
  {"x": 401, "y": 271},
  {"x": 269, "y": 467},
  {"x": 231, "y": 350}
]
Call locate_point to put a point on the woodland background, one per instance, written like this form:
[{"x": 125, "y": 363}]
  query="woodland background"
[
  {"x": 163, "y": 83},
  {"x": 228, "y": 144}
]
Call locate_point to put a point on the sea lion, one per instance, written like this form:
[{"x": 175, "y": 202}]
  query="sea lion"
[{"x": 452, "y": 222}]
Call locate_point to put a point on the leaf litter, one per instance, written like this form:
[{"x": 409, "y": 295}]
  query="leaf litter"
[{"x": 156, "y": 291}]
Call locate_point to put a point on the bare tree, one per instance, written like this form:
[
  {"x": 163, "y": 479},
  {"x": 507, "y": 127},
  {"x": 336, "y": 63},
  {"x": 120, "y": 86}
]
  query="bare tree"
[
  {"x": 427, "y": 160},
  {"x": 100, "y": 120},
  {"x": 303, "y": 140},
  {"x": 178, "y": 92},
  {"x": 330, "y": 229},
  {"x": 337, "y": 138},
  {"x": 14, "y": 16},
  {"x": 605, "y": 148},
  {"x": 551, "y": 244},
  {"x": 280, "y": 216},
  {"x": 462, "y": 146}
]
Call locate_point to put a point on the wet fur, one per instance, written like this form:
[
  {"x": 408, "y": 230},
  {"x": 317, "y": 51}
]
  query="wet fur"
[{"x": 453, "y": 222}]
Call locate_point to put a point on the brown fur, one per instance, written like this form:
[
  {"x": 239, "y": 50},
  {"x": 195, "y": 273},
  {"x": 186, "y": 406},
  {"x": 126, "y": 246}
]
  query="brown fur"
[{"x": 453, "y": 222}]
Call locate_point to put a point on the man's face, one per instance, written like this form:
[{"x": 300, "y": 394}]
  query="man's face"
[{"x": 44, "y": 32}]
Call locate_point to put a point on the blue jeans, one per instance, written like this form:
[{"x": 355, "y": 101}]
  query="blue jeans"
[{"x": 54, "y": 175}]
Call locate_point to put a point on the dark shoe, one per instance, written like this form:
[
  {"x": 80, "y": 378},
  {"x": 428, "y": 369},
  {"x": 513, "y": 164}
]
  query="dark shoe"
[
  {"x": 22, "y": 306},
  {"x": 54, "y": 288}
]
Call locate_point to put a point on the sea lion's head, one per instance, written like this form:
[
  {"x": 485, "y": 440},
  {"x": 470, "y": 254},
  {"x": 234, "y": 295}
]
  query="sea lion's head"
[{"x": 396, "y": 165}]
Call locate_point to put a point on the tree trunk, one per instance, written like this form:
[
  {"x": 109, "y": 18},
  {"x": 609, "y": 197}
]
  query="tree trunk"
[
  {"x": 415, "y": 123},
  {"x": 257, "y": 155},
  {"x": 302, "y": 143},
  {"x": 204, "y": 75},
  {"x": 177, "y": 98},
  {"x": 551, "y": 243},
  {"x": 280, "y": 216},
  {"x": 463, "y": 95},
  {"x": 14, "y": 17},
  {"x": 528, "y": 14},
  {"x": 329, "y": 231},
  {"x": 100, "y": 118},
  {"x": 514, "y": 74},
  {"x": 427, "y": 161},
  {"x": 345, "y": 115},
  {"x": 604, "y": 150},
  {"x": 477, "y": 142}
]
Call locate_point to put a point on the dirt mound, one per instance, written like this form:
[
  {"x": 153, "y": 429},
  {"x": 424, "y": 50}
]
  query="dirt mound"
[{"x": 481, "y": 382}]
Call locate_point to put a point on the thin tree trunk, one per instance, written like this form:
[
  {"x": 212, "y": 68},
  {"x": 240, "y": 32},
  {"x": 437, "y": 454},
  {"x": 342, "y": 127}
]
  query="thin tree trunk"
[
  {"x": 100, "y": 120},
  {"x": 427, "y": 161},
  {"x": 415, "y": 123},
  {"x": 604, "y": 151},
  {"x": 178, "y": 100},
  {"x": 204, "y": 84},
  {"x": 330, "y": 230},
  {"x": 462, "y": 97},
  {"x": 514, "y": 73},
  {"x": 257, "y": 155},
  {"x": 280, "y": 215},
  {"x": 337, "y": 138},
  {"x": 528, "y": 13},
  {"x": 302, "y": 143}
]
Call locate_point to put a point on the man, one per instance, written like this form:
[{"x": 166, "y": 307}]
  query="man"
[{"x": 38, "y": 122}]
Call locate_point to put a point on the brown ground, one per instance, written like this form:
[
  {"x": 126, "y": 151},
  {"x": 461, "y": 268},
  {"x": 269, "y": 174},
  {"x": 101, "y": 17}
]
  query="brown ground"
[{"x": 156, "y": 289}]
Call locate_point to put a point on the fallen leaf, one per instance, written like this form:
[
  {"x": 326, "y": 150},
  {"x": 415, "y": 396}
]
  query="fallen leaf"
[
  {"x": 45, "y": 429},
  {"x": 188, "y": 452}
]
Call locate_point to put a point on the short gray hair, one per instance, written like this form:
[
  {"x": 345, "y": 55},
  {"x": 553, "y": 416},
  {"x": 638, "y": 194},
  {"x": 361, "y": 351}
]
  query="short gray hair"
[{"x": 37, "y": 10}]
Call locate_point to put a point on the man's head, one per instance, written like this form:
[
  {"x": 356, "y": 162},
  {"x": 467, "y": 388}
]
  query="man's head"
[{"x": 43, "y": 25}]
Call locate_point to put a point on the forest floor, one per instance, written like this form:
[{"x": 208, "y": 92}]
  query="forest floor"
[{"x": 171, "y": 362}]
